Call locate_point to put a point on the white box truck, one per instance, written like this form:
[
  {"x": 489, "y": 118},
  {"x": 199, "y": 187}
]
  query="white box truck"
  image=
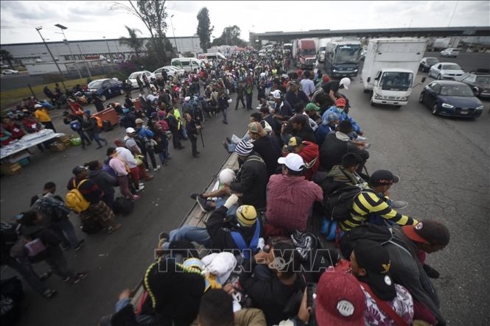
[
  {"x": 322, "y": 46},
  {"x": 390, "y": 68}
]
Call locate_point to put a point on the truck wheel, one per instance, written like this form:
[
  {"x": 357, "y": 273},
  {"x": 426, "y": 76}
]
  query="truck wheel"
[
  {"x": 397, "y": 106},
  {"x": 365, "y": 91}
]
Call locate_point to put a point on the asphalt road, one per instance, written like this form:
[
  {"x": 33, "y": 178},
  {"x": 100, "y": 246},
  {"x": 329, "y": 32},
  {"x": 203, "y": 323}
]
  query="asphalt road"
[{"x": 442, "y": 162}]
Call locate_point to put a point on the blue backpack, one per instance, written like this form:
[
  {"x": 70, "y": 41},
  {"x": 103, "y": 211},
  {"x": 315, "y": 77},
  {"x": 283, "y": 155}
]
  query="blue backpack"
[
  {"x": 75, "y": 125},
  {"x": 242, "y": 245}
]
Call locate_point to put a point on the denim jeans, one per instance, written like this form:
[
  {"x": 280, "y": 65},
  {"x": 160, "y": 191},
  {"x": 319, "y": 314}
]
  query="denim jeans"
[
  {"x": 24, "y": 268},
  {"x": 225, "y": 115},
  {"x": 248, "y": 97},
  {"x": 190, "y": 233},
  {"x": 66, "y": 232}
]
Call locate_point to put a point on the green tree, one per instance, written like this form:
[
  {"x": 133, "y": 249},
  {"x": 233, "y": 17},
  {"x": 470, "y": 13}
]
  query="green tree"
[
  {"x": 132, "y": 41},
  {"x": 230, "y": 36},
  {"x": 204, "y": 29},
  {"x": 6, "y": 56},
  {"x": 152, "y": 13}
]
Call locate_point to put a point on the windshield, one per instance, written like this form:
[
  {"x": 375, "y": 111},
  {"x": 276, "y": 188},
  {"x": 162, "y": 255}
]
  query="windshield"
[
  {"x": 452, "y": 66},
  {"x": 287, "y": 47},
  {"x": 308, "y": 52},
  {"x": 347, "y": 54},
  {"x": 432, "y": 61},
  {"x": 322, "y": 48},
  {"x": 483, "y": 80},
  {"x": 396, "y": 81},
  {"x": 456, "y": 90},
  {"x": 95, "y": 84},
  {"x": 134, "y": 75}
]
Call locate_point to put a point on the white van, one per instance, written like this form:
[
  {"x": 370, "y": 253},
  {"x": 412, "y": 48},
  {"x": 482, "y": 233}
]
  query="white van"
[
  {"x": 211, "y": 56},
  {"x": 188, "y": 64}
]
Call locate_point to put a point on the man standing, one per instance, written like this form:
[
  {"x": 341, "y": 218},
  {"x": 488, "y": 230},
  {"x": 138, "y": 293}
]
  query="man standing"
[
  {"x": 193, "y": 129},
  {"x": 290, "y": 196},
  {"x": 307, "y": 84},
  {"x": 90, "y": 126},
  {"x": 249, "y": 89},
  {"x": 146, "y": 136},
  {"x": 282, "y": 108},
  {"x": 122, "y": 173},
  {"x": 239, "y": 95},
  {"x": 42, "y": 115},
  {"x": 173, "y": 125},
  {"x": 127, "y": 157}
]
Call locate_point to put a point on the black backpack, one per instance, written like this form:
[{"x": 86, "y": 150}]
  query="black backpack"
[
  {"x": 91, "y": 225},
  {"x": 8, "y": 238},
  {"x": 123, "y": 206},
  {"x": 338, "y": 205}
]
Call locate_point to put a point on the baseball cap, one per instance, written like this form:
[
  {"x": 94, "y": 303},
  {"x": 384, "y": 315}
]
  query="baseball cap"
[
  {"x": 130, "y": 130},
  {"x": 293, "y": 162},
  {"x": 78, "y": 169},
  {"x": 375, "y": 259},
  {"x": 340, "y": 102},
  {"x": 294, "y": 141},
  {"x": 276, "y": 94},
  {"x": 139, "y": 121},
  {"x": 346, "y": 82},
  {"x": 339, "y": 300},
  {"x": 87, "y": 112},
  {"x": 256, "y": 128},
  {"x": 246, "y": 215},
  {"x": 383, "y": 177},
  {"x": 430, "y": 232},
  {"x": 312, "y": 107},
  {"x": 36, "y": 106},
  {"x": 326, "y": 78}
]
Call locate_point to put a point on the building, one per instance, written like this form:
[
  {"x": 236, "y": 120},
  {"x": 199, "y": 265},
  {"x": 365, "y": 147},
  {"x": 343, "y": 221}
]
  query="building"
[{"x": 31, "y": 53}]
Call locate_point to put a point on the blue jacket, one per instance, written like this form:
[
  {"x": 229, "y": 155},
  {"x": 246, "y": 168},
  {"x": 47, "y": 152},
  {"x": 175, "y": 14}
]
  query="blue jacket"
[
  {"x": 342, "y": 116},
  {"x": 143, "y": 132}
]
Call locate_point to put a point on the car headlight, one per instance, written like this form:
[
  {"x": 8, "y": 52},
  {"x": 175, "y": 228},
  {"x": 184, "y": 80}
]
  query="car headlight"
[
  {"x": 404, "y": 98},
  {"x": 480, "y": 107},
  {"x": 334, "y": 70},
  {"x": 447, "y": 106},
  {"x": 377, "y": 96}
]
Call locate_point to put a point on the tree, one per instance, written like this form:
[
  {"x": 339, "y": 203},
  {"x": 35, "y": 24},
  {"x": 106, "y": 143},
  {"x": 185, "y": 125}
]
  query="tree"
[
  {"x": 203, "y": 29},
  {"x": 132, "y": 41},
  {"x": 6, "y": 56},
  {"x": 152, "y": 13},
  {"x": 230, "y": 36}
]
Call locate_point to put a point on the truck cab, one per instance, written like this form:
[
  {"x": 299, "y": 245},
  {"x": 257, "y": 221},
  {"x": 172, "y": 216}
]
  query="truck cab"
[
  {"x": 305, "y": 55},
  {"x": 392, "y": 86}
]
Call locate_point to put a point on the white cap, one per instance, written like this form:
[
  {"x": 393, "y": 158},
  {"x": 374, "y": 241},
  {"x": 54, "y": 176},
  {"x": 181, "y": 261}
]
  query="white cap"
[
  {"x": 130, "y": 130},
  {"x": 276, "y": 94},
  {"x": 187, "y": 99},
  {"x": 226, "y": 176},
  {"x": 346, "y": 82},
  {"x": 38, "y": 106},
  {"x": 293, "y": 162}
]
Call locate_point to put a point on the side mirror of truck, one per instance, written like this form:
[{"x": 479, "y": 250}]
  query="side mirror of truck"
[{"x": 369, "y": 79}]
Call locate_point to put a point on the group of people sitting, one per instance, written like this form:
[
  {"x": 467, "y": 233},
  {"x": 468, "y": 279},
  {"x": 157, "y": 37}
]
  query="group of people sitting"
[{"x": 261, "y": 257}]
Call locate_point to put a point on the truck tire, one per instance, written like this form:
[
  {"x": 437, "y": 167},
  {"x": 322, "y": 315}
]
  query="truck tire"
[{"x": 365, "y": 91}]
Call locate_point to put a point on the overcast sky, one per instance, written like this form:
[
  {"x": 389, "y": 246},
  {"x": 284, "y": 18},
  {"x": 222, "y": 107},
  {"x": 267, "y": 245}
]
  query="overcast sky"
[{"x": 94, "y": 19}]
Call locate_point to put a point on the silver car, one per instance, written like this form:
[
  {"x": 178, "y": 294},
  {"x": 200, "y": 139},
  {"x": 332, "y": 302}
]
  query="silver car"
[{"x": 446, "y": 70}]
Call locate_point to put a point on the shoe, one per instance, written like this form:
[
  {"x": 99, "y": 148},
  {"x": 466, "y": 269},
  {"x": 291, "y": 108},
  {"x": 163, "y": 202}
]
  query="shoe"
[
  {"x": 112, "y": 229},
  {"x": 228, "y": 140},
  {"x": 203, "y": 204},
  {"x": 98, "y": 147},
  {"x": 195, "y": 155},
  {"x": 198, "y": 153},
  {"x": 367, "y": 145},
  {"x": 135, "y": 197},
  {"x": 45, "y": 276},
  {"x": 225, "y": 145},
  {"x": 181, "y": 147},
  {"x": 79, "y": 277},
  {"x": 194, "y": 195},
  {"x": 360, "y": 138},
  {"x": 149, "y": 178},
  {"x": 89, "y": 143},
  {"x": 65, "y": 248},
  {"x": 66, "y": 279},
  {"x": 83, "y": 147},
  {"x": 49, "y": 293},
  {"x": 225, "y": 122},
  {"x": 398, "y": 204},
  {"x": 141, "y": 187},
  {"x": 431, "y": 272},
  {"x": 141, "y": 184},
  {"x": 80, "y": 244},
  {"x": 157, "y": 168}
]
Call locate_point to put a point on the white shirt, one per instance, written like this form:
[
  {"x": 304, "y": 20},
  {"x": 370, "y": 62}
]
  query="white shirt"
[
  {"x": 307, "y": 86},
  {"x": 130, "y": 143},
  {"x": 125, "y": 155}
]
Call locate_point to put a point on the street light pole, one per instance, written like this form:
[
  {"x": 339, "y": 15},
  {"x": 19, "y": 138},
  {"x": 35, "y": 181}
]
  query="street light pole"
[
  {"x": 38, "y": 29},
  {"x": 173, "y": 32},
  {"x": 69, "y": 48}
]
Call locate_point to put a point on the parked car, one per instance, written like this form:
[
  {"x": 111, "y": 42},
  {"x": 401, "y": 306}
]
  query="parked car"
[
  {"x": 427, "y": 62},
  {"x": 451, "y": 98},
  {"x": 450, "y": 52},
  {"x": 180, "y": 71},
  {"x": 10, "y": 72},
  {"x": 105, "y": 88},
  {"x": 158, "y": 72},
  {"x": 132, "y": 77},
  {"x": 479, "y": 81},
  {"x": 446, "y": 70}
]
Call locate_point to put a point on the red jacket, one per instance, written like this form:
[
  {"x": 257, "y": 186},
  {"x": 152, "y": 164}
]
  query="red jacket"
[{"x": 310, "y": 155}]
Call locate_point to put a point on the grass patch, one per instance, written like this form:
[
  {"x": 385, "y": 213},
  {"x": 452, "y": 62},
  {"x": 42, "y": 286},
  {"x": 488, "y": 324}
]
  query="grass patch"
[{"x": 9, "y": 99}]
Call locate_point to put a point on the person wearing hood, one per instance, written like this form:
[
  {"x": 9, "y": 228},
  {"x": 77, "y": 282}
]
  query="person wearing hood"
[
  {"x": 262, "y": 144},
  {"x": 308, "y": 151},
  {"x": 339, "y": 109},
  {"x": 104, "y": 180},
  {"x": 328, "y": 125}
]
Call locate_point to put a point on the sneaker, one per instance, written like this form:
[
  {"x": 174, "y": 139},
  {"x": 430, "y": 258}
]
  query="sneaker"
[
  {"x": 203, "y": 204},
  {"x": 225, "y": 122},
  {"x": 49, "y": 293},
  {"x": 398, "y": 204},
  {"x": 65, "y": 248},
  {"x": 157, "y": 168},
  {"x": 228, "y": 140},
  {"x": 79, "y": 245},
  {"x": 194, "y": 195},
  {"x": 367, "y": 145},
  {"x": 79, "y": 277},
  {"x": 141, "y": 184},
  {"x": 66, "y": 279},
  {"x": 112, "y": 229},
  {"x": 45, "y": 276},
  {"x": 135, "y": 197},
  {"x": 140, "y": 188},
  {"x": 431, "y": 272},
  {"x": 360, "y": 138}
]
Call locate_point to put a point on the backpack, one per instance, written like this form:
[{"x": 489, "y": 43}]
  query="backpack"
[
  {"x": 8, "y": 238},
  {"x": 123, "y": 206},
  {"x": 338, "y": 205},
  {"x": 10, "y": 301},
  {"x": 75, "y": 125},
  {"x": 75, "y": 201},
  {"x": 91, "y": 225},
  {"x": 242, "y": 245},
  {"x": 100, "y": 124}
]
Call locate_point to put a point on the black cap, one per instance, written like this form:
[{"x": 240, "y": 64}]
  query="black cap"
[
  {"x": 78, "y": 169},
  {"x": 375, "y": 259},
  {"x": 383, "y": 178}
]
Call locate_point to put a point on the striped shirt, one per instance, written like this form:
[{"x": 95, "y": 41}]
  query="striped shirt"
[{"x": 370, "y": 203}]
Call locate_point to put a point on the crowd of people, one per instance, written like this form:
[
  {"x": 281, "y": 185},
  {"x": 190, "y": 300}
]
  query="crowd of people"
[{"x": 260, "y": 258}]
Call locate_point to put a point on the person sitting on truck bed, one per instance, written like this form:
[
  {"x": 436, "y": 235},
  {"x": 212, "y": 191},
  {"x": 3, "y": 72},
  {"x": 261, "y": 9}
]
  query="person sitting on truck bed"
[
  {"x": 339, "y": 109},
  {"x": 331, "y": 89}
]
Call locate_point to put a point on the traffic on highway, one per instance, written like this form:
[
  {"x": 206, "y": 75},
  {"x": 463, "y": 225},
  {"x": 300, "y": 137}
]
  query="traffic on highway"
[{"x": 401, "y": 132}]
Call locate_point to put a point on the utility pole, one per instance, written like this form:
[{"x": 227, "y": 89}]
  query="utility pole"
[
  {"x": 173, "y": 33},
  {"x": 69, "y": 48},
  {"x": 38, "y": 29},
  {"x": 85, "y": 64}
]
